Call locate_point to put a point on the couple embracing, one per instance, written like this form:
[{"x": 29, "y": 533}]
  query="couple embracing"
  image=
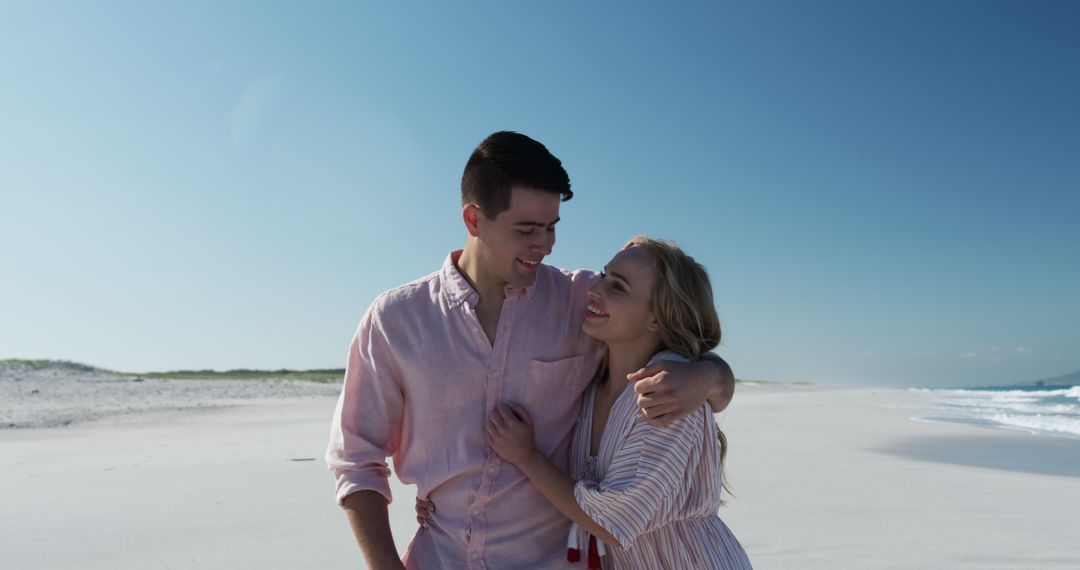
[{"x": 549, "y": 419}]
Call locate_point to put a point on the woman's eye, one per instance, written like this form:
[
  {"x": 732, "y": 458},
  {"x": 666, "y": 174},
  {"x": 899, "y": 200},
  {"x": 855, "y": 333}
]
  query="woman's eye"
[{"x": 615, "y": 285}]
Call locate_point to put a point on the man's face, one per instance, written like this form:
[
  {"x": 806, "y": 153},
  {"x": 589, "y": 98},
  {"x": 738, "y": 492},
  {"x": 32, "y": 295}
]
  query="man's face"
[{"x": 512, "y": 245}]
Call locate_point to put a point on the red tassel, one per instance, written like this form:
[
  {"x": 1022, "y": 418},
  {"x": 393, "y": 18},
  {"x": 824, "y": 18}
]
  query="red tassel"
[
  {"x": 573, "y": 555},
  {"x": 594, "y": 555}
]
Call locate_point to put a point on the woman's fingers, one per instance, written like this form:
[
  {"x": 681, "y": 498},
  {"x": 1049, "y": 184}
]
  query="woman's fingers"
[
  {"x": 503, "y": 422},
  {"x": 497, "y": 421},
  {"x": 521, "y": 414},
  {"x": 506, "y": 415},
  {"x": 496, "y": 430},
  {"x": 423, "y": 511}
]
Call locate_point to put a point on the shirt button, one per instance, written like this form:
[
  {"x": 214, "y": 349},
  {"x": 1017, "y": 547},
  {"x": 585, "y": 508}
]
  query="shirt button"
[
  {"x": 475, "y": 512},
  {"x": 475, "y": 555}
]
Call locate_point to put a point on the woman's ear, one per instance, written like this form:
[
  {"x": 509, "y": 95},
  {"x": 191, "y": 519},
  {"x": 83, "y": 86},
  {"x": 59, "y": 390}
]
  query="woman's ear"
[{"x": 654, "y": 325}]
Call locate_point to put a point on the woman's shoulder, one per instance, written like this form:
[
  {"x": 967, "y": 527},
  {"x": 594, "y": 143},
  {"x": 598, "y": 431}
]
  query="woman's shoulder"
[
  {"x": 687, "y": 428},
  {"x": 636, "y": 426},
  {"x": 668, "y": 355}
]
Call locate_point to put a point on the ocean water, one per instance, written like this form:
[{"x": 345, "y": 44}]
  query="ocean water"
[{"x": 1051, "y": 411}]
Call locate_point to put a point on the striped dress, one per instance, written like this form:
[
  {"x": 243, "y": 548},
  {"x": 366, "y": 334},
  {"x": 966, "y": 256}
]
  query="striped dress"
[{"x": 657, "y": 490}]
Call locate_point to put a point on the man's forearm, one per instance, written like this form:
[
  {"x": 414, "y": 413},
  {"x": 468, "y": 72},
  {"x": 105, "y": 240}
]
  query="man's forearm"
[
  {"x": 370, "y": 521},
  {"x": 725, "y": 384}
]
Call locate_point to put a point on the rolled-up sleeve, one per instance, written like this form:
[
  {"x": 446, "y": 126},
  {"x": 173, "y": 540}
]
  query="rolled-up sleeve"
[
  {"x": 366, "y": 427},
  {"x": 647, "y": 471}
]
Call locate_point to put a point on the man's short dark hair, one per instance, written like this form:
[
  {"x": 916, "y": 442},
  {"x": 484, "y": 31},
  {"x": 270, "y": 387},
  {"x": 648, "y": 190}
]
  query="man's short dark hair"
[{"x": 506, "y": 158}]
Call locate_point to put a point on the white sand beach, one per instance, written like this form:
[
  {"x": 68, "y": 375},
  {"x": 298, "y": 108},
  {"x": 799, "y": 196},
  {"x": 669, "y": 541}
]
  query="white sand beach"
[
  {"x": 829, "y": 478},
  {"x": 823, "y": 478}
]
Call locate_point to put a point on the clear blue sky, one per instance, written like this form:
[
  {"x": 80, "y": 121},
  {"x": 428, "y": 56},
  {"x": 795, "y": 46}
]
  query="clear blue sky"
[{"x": 884, "y": 192}]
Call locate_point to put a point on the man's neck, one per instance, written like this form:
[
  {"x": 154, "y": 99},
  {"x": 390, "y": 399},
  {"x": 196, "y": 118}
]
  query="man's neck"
[{"x": 491, "y": 289}]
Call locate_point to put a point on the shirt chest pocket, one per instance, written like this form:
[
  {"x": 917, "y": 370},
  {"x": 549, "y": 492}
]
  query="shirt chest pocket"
[{"x": 553, "y": 389}]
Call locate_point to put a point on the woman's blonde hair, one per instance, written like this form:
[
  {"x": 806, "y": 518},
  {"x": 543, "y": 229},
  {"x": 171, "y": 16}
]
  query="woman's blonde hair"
[{"x": 682, "y": 301}]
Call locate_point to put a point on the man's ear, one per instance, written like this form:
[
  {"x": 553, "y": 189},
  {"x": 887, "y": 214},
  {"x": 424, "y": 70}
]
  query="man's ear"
[{"x": 470, "y": 214}]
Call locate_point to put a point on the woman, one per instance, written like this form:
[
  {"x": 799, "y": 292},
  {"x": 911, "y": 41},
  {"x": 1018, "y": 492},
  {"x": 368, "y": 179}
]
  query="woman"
[{"x": 650, "y": 494}]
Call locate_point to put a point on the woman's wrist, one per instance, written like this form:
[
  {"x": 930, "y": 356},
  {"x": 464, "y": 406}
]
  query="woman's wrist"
[{"x": 528, "y": 462}]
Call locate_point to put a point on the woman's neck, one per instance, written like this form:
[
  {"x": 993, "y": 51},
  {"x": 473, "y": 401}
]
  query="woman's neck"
[{"x": 626, "y": 358}]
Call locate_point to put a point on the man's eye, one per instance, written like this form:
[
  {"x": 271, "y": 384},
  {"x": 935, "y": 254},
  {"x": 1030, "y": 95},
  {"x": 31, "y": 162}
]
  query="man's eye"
[{"x": 525, "y": 232}]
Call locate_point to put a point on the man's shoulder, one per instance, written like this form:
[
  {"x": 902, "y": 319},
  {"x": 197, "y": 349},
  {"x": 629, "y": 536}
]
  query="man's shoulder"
[
  {"x": 408, "y": 294},
  {"x": 560, "y": 275}
]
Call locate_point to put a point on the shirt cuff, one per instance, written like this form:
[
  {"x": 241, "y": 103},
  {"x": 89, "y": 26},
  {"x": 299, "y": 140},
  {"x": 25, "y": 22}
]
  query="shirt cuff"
[
  {"x": 349, "y": 483},
  {"x": 597, "y": 505}
]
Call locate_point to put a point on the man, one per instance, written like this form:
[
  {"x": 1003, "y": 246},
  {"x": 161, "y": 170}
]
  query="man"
[{"x": 432, "y": 358}]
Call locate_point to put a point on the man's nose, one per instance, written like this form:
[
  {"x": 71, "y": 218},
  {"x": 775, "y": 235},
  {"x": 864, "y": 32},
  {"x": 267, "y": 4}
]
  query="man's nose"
[{"x": 545, "y": 243}]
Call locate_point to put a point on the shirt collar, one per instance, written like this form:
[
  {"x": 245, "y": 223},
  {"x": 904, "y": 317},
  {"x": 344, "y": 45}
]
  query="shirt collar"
[
  {"x": 526, "y": 292},
  {"x": 459, "y": 290}
]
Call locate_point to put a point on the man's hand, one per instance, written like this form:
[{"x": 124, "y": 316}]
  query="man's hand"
[{"x": 668, "y": 390}]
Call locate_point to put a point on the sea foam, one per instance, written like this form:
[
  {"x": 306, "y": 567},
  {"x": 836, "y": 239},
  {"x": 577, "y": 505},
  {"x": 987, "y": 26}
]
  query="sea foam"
[{"x": 1046, "y": 411}]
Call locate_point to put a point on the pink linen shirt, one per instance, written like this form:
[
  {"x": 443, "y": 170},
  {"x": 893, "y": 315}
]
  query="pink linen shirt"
[{"x": 420, "y": 382}]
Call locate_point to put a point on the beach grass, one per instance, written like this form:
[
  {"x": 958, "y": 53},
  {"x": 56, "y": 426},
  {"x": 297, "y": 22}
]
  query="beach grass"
[
  {"x": 40, "y": 364},
  {"x": 326, "y": 375}
]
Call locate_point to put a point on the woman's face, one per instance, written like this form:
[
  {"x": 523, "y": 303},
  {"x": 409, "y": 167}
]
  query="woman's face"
[{"x": 620, "y": 304}]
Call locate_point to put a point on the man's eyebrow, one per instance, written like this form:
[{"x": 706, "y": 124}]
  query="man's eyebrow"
[{"x": 536, "y": 224}]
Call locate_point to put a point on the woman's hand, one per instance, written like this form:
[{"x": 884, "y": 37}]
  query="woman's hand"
[
  {"x": 510, "y": 433},
  {"x": 423, "y": 511}
]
